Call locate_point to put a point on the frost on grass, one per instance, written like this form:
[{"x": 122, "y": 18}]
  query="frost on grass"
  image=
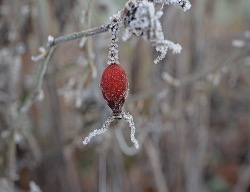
[
  {"x": 128, "y": 118},
  {"x": 141, "y": 19}
]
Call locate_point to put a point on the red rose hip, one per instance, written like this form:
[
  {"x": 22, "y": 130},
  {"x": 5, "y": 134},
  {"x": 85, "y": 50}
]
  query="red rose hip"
[{"x": 114, "y": 85}]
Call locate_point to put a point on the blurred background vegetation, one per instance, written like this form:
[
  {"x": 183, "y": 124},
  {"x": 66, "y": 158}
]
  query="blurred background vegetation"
[{"x": 191, "y": 111}]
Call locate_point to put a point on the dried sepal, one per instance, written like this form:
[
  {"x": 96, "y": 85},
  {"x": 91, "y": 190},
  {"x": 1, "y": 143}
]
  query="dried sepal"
[
  {"x": 126, "y": 116},
  {"x": 163, "y": 46},
  {"x": 96, "y": 132},
  {"x": 141, "y": 19},
  {"x": 129, "y": 119}
]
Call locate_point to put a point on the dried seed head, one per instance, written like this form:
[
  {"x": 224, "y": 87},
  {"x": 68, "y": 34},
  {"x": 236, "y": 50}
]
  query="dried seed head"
[
  {"x": 140, "y": 18},
  {"x": 114, "y": 86}
]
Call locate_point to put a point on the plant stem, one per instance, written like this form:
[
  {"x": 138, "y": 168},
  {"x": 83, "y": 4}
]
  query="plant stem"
[
  {"x": 26, "y": 104},
  {"x": 81, "y": 34}
]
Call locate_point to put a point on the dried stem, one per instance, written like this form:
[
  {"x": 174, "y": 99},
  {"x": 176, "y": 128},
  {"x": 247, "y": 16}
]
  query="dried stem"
[
  {"x": 156, "y": 167},
  {"x": 81, "y": 34},
  {"x": 52, "y": 42},
  {"x": 126, "y": 116},
  {"x": 26, "y": 104}
]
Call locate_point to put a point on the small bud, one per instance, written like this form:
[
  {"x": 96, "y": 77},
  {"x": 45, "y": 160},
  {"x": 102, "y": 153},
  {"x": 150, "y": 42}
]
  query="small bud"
[{"x": 51, "y": 40}]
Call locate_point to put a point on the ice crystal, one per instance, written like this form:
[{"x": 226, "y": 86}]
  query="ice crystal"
[{"x": 128, "y": 118}]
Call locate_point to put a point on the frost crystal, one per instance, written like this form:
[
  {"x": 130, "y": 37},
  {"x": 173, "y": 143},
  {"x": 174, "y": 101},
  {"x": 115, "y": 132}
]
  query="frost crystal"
[
  {"x": 113, "y": 57},
  {"x": 128, "y": 118},
  {"x": 141, "y": 19}
]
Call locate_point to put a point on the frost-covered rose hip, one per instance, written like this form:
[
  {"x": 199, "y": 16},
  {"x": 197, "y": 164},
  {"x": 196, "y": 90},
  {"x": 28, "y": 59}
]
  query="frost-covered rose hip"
[{"x": 114, "y": 85}]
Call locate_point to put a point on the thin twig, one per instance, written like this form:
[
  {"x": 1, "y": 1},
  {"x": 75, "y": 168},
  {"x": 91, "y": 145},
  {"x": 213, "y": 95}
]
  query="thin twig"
[
  {"x": 38, "y": 86},
  {"x": 81, "y": 34},
  {"x": 156, "y": 164}
]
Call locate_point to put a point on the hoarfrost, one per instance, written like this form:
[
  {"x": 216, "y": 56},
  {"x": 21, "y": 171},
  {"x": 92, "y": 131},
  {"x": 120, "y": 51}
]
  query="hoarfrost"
[
  {"x": 115, "y": 24},
  {"x": 96, "y": 132},
  {"x": 141, "y": 19},
  {"x": 128, "y": 118},
  {"x": 182, "y": 4}
]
